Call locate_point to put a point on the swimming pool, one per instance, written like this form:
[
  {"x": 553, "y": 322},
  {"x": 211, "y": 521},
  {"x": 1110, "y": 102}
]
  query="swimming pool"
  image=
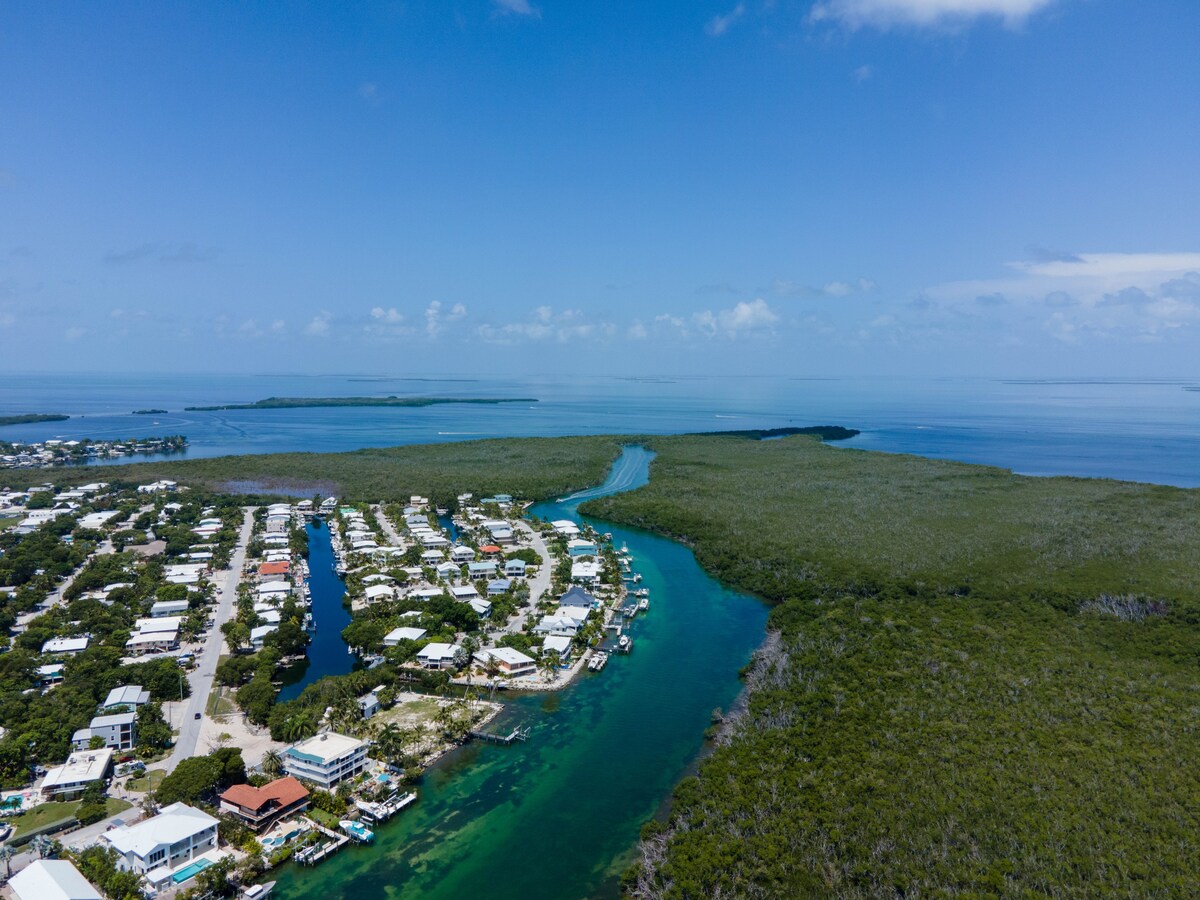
[{"x": 191, "y": 870}]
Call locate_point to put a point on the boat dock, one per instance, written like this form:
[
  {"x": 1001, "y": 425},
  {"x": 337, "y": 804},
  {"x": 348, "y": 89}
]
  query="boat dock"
[
  {"x": 321, "y": 851},
  {"x": 381, "y": 812},
  {"x": 517, "y": 734}
]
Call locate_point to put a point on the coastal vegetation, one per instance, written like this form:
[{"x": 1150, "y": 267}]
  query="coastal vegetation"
[
  {"x": 531, "y": 468},
  {"x": 309, "y": 402},
  {"x": 978, "y": 683},
  {"x": 32, "y": 418}
]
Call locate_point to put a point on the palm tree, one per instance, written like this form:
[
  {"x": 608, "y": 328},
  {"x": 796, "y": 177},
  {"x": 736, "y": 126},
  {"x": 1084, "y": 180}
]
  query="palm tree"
[
  {"x": 272, "y": 763},
  {"x": 6, "y": 854},
  {"x": 390, "y": 742},
  {"x": 41, "y": 845}
]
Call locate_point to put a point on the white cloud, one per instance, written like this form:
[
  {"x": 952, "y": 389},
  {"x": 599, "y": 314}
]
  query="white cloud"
[
  {"x": 923, "y": 13},
  {"x": 638, "y": 331},
  {"x": 548, "y": 325},
  {"x": 74, "y": 333},
  {"x": 747, "y": 317},
  {"x": 718, "y": 25},
  {"x": 389, "y": 316},
  {"x": 517, "y": 8},
  {"x": 862, "y": 73},
  {"x": 319, "y": 326},
  {"x": 1138, "y": 296}
]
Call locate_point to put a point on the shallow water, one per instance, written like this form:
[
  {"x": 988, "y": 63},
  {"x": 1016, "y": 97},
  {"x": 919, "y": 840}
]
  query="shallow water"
[{"x": 558, "y": 815}]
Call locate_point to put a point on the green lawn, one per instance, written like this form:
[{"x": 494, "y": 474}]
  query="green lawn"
[
  {"x": 43, "y": 815},
  {"x": 148, "y": 782}
]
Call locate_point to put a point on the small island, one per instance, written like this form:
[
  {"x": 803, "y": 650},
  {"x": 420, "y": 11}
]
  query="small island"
[
  {"x": 150, "y": 412},
  {"x": 824, "y": 432},
  {"x": 32, "y": 418},
  {"x": 309, "y": 402}
]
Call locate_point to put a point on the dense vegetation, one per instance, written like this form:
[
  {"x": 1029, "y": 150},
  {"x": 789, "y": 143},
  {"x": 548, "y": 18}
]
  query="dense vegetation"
[
  {"x": 982, "y": 683},
  {"x": 309, "y": 402},
  {"x": 32, "y": 418},
  {"x": 530, "y": 468}
]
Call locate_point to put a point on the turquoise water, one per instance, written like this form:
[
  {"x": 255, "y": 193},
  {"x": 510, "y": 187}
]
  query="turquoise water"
[
  {"x": 190, "y": 871},
  {"x": 558, "y": 816},
  {"x": 1147, "y": 430},
  {"x": 327, "y": 653}
]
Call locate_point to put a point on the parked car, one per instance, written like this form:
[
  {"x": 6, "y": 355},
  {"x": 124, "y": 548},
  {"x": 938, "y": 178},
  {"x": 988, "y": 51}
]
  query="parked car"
[{"x": 197, "y": 715}]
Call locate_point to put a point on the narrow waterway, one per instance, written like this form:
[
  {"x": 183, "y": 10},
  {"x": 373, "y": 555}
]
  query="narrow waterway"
[
  {"x": 558, "y": 816},
  {"x": 327, "y": 653}
]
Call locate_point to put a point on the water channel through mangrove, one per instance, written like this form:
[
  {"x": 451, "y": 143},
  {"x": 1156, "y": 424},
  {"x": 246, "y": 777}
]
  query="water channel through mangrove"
[{"x": 558, "y": 815}]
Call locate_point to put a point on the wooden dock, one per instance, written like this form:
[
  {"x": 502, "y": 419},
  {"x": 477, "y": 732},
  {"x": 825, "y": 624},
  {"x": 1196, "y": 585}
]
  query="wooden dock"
[
  {"x": 517, "y": 734},
  {"x": 316, "y": 853}
]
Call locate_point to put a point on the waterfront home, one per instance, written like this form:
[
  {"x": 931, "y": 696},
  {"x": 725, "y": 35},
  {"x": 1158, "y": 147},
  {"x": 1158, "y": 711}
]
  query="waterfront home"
[
  {"x": 501, "y": 532},
  {"x": 280, "y": 588},
  {"x": 379, "y": 592},
  {"x": 81, "y": 769},
  {"x": 262, "y": 807},
  {"x": 439, "y": 656},
  {"x": 325, "y": 759},
  {"x": 577, "y": 596},
  {"x": 396, "y": 635},
  {"x": 118, "y": 731},
  {"x": 271, "y": 570},
  {"x": 157, "y": 487},
  {"x": 514, "y": 568},
  {"x": 565, "y": 527},
  {"x": 257, "y": 635},
  {"x": 509, "y": 660},
  {"x": 66, "y": 645},
  {"x": 155, "y": 846},
  {"x": 560, "y": 644},
  {"x": 51, "y": 879},
  {"x": 498, "y": 586},
  {"x": 566, "y": 620},
  {"x": 587, "y": 572},
  {"x": 580, "y": 547},
  {"x": 462, "y": 554},
  {"x": 378, "y": 578},
  {"x": 368, "y": 704},
  {"x": 128, "y": 696}
]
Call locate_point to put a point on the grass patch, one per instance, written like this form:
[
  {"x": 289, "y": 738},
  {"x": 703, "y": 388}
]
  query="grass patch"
[
  {"x": 147, "y": 782},
  {"x": 218, "y": 704},
  {"x": 321, "y": 817},
  {"x": 43, "y": 815}
]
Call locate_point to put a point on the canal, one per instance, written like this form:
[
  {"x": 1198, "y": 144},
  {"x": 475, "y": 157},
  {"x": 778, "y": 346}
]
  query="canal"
[
  {"x": 327, "y": 653},
  {"x": 559, "y": 815}
]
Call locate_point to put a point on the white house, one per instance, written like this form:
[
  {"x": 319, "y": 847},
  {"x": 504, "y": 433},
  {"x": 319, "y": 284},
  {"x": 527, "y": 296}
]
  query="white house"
[
  {"x": 169, "y": 608},
  {"x": 325, "y": 759},
  {"x": 438, "y": 655},
  {"x": 560, "y": 644},
  {"x": 127, "y": 695},
  {"x": 380, "y": 592},
  {"x": 118, "y": 731},
  {"x": 511, "y": 661},
  {"x": 514, "y": 568},
  {"x": 396, "y": 635},
  {"x": 585, "y": 572},
  {"x": 177, "y": 835},
  {"x": 80, "y": 769},
  {"x": 70, "y": 645},
  {"x": 498, "y": 586},
  {"x": 51, "y": 879},
  {"x": 462, "y": 554}
]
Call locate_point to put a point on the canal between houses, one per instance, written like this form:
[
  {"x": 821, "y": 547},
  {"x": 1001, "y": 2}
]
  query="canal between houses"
[{"x": 559, "y": 815}]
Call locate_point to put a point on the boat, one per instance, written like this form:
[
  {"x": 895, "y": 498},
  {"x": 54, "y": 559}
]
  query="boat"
[
  {"x": 258, "y": 891},
  {"x": 357, "y": 830},
  {"x": 630, "y": 611},
  {"x": 643, "y": 604},
  {"x": 637, "y": 578},
  {"x": 598, "y": 661},
  {"x": 624, "y": 644},
  {"x": 641, "y": 592}
]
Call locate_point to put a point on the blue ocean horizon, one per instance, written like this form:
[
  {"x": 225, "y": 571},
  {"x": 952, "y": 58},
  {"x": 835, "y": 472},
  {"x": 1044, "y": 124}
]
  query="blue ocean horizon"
[{"x": 1136, "y": 430}]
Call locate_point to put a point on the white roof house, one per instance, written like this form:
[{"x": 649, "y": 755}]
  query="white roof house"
[
  {"x": 325, "y": 759},
  {"x": 51, "y": 879},
  {"x": 588, "y": 572},
  {"x": 438, "y": 655},
  {"x": 565, "y": 527},
  {"x": 176, "y": 835},
  {"x": 557, "y": 643},
  {"x": 81, "y": 767},
  {"x": 168, "y": 608},
  {"x": 127, "y": 695},
  {"x": 396, "y": 635},
  {"x": 158, "y": 623},
  {"x": 380, "y": 592},
  {"x": 510, "y": 660},
  {"x": 65, "y": 645}
]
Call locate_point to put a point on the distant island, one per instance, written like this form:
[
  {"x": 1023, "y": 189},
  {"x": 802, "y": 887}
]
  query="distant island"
[
  {"x": 32, "y": 418},
  {"x": 308, "y": 402},
  {"x": 824, "y": 432},
  {"x": 150, "y": 412}
]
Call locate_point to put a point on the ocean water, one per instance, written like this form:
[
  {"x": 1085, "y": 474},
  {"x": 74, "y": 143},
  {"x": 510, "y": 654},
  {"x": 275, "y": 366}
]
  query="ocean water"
[{"x": 1136, "y": 430}]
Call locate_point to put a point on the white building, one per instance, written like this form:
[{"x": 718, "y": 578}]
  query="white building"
[
  {"x": 118, "y": 731},
  {"x": 396, "y": 635},
  {"x": 325, "y": 759},
  {"x": 509, "y": 660},
  {"x": 51, "y": 879},
  {"x": 66, "y": 645},
  {"x": 80, "y": 769},
  {"x": 438, "y": 655},
  {"x": 130, "y": 695},
  {"x": 177, "y": 835}
]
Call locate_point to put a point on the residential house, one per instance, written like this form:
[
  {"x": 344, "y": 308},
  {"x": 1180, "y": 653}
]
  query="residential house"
[
  {"x": 155, "y": 846},
  {"x": 118, "y": 731},
  {"x": 586, "y": 572},
  {"x": 396, "y": 635},
  {"x": 81, "y": 769},
  {"x": 462, "y": 554},
  {"x": 51, "y": 879},
  {"x": 509, "y": 660},
  {"x": 261, "y": 807},
  {"x": 326, "y": 759},
  {"x": 560, "y": 644},
  {"x": 127, "y": 696},
  {"x": 439, "y": 656},
  {"x": 498, "y": 586},
  {"x": 514, "y": 568}
]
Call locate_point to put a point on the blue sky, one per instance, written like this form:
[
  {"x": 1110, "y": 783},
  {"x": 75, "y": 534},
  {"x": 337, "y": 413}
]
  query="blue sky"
[{"x": 518, "y": 186}]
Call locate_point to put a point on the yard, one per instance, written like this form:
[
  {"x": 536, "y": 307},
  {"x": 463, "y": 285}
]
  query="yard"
[{"x": 57, "y": 811}]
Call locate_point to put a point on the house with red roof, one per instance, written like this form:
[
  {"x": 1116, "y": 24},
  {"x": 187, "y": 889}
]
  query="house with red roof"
[{"x": 262, "y": 807}]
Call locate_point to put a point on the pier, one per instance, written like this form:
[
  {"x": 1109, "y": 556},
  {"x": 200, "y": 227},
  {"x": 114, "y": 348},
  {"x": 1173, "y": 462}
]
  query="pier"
[
  {"x": 381, "y": 812},
  {"x": 319, "y": 852},
  {"x": 517, "y": 734}
]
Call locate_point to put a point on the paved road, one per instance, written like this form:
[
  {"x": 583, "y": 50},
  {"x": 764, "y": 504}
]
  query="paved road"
[
  {"x": 539, "y": 584},
  {"x": 201, "y": 679},
  {"x": 389, "y": 529}
]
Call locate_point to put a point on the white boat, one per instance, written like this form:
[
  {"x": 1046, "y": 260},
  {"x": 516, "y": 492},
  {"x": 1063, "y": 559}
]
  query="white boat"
[
  {"x": 643, "y": 604},
  {"x": 357, "y": 830},
  {"x": 624, "y": 643}
]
